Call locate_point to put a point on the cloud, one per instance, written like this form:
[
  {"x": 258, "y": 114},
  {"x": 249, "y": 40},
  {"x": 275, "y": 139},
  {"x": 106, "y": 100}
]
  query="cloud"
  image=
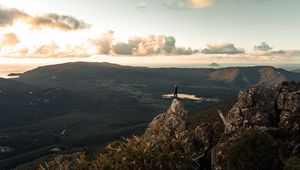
[
  {"x": 264, "y": 47},
  {"x": 224, "y": 48},
  {"x": 62, "y": 22},
  {"x": 9, "y": 39},
  {"x": 140, "y": 6},
  {"x": 122, "y": 49},
  {"x": 169, "y": 44},
  {"x": 184, "y": 51},
  {"x": 152, "y": 45},
  {"x": 200, "y": 3},
  {"x": 295, "y": 53},
  {"x": 46, "y": 50},
  {"x": 9, "y": 15},
  {"x": 104, "y": 42},
  {"x": 181, "y": 4},
  {"x": 52, "y": 50},
  {"x": 140, "y": 46},
  {"x": 55, "y": 21}
]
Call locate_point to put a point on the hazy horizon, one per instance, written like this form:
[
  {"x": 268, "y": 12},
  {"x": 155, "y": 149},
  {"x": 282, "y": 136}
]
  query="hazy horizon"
[
  {"x": 191, "y": 31},
  {"x": 27, "y": 65}
]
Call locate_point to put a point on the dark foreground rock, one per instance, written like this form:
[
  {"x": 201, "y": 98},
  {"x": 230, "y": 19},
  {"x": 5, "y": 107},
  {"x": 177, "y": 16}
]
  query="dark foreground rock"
[{"x": 273, "y": 112}]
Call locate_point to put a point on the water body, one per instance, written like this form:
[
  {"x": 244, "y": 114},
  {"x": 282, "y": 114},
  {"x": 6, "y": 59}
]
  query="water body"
[{"x": 190, "y": 97}]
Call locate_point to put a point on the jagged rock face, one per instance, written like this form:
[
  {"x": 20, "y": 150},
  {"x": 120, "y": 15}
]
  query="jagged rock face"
[
  {"x": 289, "y": 105},
  {"x": 256, "y": 106},
  {"x": 204, "y": 135},
  {"x": 262, "y": 108},
  {"x": 172, "y": 125},
  {"x": 168, "y": 124}
]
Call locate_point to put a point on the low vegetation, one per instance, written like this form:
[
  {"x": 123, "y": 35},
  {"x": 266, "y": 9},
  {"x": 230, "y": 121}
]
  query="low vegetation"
[
  {"x": 130, "y": 154},
  {"x": 293, "y": 163},
  {"x": 253, "y": 150}
]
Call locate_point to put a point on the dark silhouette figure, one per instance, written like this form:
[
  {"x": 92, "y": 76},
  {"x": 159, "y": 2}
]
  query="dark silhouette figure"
[{"x": 175, "y": 91}]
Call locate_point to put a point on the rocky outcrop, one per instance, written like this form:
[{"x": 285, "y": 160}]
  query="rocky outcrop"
[
  {"x": 289, "y": 105},
  {"x": 204, "y": 135},
  {"x": 168, "y": 124},
  {"x": 172, "y": 125},
  {"x": 265, "y": 110},
  {"x": 270, "y": 110},
  {"x": 263, "y": 107}
]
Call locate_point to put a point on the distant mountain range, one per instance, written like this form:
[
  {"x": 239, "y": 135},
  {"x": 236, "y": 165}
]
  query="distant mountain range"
[
  {"x": 96, "y": 103},
  {"x": 298, "y": 71},
  {"x": 237, "y": 77}
]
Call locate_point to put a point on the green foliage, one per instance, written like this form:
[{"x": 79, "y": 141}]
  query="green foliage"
[
  {"x": 293, "y": 163},
  {"x": 131, "y": 154},
  {"x": 255, "y": 149}
]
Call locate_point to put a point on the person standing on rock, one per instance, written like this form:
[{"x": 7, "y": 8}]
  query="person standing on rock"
[{"x": 175, "y": 91}]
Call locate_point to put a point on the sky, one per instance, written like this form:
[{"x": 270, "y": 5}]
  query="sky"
[{"x": 201, "y": 30}]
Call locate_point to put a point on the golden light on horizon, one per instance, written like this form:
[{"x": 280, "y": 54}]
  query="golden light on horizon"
[{"x": 50, "y": 34}]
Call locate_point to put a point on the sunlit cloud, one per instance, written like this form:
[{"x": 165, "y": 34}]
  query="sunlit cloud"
[
  {"x": 181, "y": 4},
  {"x": 9, "y": 39},
  {"x": 104, "y": 42},
  {"x": 52, "y": 50},
  {"x": 123, "y": 49},
  {"x": 140, "y": 46},
  {"x": 8, "y": 16},
  {"x": 200, "y": 3},
  {"x": 55, "y": 21}
]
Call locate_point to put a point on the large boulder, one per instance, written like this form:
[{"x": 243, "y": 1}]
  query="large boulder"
[
  {"x": 171, "y": 126},
  {"x": 289, "y": 105},
  {"x": 168, "y": 124},
  {"x": 255, "y": 107},
  {"x": 269, "y": 111}
]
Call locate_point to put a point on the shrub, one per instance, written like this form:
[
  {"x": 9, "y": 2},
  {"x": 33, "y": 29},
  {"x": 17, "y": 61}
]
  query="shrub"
[
  {"x": 253, "y": 150},
  {"x": 131, "y": 154},
  {"x": 293, "y": 163}
]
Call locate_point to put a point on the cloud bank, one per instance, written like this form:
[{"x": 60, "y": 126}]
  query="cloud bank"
[
  {"x": 140, "y": 46},
  {"x": 224, "y": 48},
  {"x": 55, "y": 21},
  {"x": 53, "y": 50}
]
